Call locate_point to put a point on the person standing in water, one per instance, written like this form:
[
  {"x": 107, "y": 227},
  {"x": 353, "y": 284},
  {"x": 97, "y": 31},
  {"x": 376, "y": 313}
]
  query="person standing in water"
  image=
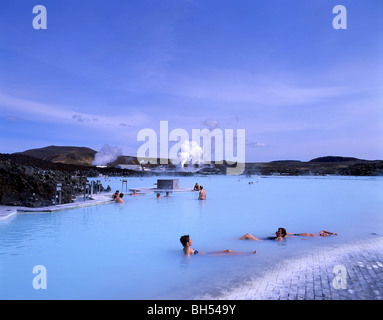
[
  {"x": 202, "y": 193},
  {"x": 115, "y": 195},
  {"x": 119, "y": 199}
]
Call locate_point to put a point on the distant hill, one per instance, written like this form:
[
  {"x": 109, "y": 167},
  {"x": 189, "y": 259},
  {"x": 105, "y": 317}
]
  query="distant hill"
[
  {"x": 63, "y": 154},
  {"x": 82, "y": 156},
  {"x": 284, "y": 161},
  {"x": 79, "y": 156},
  {"x": 335, "y": 159},
  {"x": 330, "y": 165}
]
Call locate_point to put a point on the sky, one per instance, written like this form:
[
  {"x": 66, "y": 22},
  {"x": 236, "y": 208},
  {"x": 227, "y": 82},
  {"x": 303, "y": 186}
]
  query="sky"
[{"x": 103, "y": 71}]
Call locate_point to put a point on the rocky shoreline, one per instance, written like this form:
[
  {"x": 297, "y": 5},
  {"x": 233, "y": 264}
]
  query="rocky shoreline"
[
  {"x": 320, "y": 167},
  {"x": 30, "y": 182},
  {"x": 31, "y": 186}
]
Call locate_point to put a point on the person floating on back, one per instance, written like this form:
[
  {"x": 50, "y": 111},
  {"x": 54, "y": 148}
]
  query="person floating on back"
[
  {"x": 281, "y": 233},
  {"x": 189, "y": 251}
]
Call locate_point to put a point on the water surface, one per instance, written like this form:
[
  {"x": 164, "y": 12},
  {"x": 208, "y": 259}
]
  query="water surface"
[{"x": 132, "y": 251}]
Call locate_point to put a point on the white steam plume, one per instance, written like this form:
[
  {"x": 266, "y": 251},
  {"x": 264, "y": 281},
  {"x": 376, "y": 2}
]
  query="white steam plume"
[
  {"x": 106, "y": 155},
  {"x": 190, "y": 150}
]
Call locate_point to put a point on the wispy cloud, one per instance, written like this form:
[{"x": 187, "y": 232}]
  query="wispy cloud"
[
  {"x": 256, "y": 144},
  {"x": 211, "y": 123},
  {"x": 44, "y": 112},
  {"x": 13, "y": 118},
  {"x": 236, "y": 86}
]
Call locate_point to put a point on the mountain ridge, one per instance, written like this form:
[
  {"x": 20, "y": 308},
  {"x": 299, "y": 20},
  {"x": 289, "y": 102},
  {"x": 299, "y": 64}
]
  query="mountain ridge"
[
  {"x": 328, "y": 165},
  {"x": 85, "y": 156},
  {"x": 63, "y": 154}
]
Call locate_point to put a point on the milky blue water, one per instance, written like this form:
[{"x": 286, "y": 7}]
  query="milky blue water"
[{"x": 132, "y": 251}]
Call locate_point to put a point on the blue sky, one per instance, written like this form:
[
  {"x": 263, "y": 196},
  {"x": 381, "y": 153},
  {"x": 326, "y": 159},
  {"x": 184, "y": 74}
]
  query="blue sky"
[{"x": 104, "y": 70}]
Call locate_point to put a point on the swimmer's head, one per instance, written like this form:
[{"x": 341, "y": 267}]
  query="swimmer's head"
[
  {"x": 185, "y": 239},
  {"x": 281, "y": 232}
]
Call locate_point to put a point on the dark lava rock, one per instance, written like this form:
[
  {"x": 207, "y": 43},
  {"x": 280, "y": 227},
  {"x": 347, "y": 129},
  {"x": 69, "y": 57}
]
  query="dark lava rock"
[
  {"x": 30, "y": 182},
  {"x": 25, "y": 185}
]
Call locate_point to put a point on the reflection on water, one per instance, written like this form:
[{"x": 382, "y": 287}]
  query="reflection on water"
[{"x": 132, "y": 251}]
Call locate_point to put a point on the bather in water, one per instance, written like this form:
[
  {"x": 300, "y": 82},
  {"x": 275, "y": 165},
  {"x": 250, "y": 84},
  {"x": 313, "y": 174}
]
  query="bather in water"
[
  {"x": 281, "y": 233},
  {"x": 189, "y": 251}
]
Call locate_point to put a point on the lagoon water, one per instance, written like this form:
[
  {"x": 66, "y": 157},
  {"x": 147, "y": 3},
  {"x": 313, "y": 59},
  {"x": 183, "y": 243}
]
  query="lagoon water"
[{"x": 132, "y": 251}]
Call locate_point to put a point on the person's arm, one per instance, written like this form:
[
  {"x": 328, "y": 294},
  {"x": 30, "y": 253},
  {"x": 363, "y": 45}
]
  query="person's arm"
[{"x": 289, "y": 234}]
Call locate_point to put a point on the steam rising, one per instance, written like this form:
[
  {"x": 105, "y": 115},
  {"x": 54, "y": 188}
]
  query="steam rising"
[
  {"x": 106, "y": 155},
  {"x": 190, "y": 150}
]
